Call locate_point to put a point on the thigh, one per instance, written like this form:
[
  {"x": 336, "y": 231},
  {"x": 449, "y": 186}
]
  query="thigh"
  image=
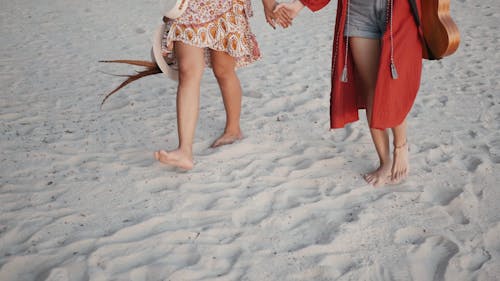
[
  {"x": 366, "y": 56},
  {"x": 222, "y": 62},
  {"x": 190, "y": 59}
]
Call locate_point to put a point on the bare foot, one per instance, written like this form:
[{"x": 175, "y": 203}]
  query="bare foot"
[
  {"x": 226, "y": 138},
  {"x": 380, "y": 176},
  {"x": 400, "y": 166},
  {"x": 175, "y": 158}
]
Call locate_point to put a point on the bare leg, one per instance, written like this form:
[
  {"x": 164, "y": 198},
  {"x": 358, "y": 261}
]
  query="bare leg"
[
  {"x": 224, "y": 70},
  {"x": 366, "y": 54},
  {"x": 400, "y": 166},
  {"x": 191, "y": 65}
]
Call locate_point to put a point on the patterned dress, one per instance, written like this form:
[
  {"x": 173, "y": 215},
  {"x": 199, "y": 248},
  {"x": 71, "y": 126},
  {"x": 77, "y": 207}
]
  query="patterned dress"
[{"x": 220, "y": 25}]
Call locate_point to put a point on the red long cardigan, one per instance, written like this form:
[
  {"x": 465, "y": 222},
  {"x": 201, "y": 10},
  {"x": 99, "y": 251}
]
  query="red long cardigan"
[{"x": 393, "y": 97}]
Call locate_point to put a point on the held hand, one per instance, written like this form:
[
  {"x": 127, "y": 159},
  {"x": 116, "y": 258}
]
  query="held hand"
[
  {"x": 286, "y": 12},
  {"x": 282, "y": 17},
  {"x": 269, "y": 6}
]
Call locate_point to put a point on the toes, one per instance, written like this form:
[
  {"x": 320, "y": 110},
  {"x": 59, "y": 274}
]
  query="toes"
[
  {"x": 368, "y": 177},
  {"x": 371, "y": 179},
  {"x": 161, "y": 155},
  {"x": 382, "y": 181},
  {"x": 218, "y": 143},
  {"x": 224, "y": 140},
  {"x": 398, "y": 176},
  {"x": 401, "y": 174},
  {"x": 377, "y": 180},
  {"x": 394, "y": 176}
]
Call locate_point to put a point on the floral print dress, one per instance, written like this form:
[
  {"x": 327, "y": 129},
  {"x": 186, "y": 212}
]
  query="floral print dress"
[{"x": 220, "y": 25}]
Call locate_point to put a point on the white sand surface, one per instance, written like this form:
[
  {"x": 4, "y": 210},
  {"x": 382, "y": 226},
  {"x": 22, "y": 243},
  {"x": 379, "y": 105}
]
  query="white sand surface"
[{"x": 81, "y": 197}]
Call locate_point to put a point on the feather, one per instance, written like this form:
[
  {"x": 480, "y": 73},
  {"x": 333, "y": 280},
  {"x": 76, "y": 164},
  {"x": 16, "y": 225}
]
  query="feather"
[{"x": 151, "y": 69}]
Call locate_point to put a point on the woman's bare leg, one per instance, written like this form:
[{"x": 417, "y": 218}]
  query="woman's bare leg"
[
  {"x": 400, "y": 166},
  {"x": 366, "y": 54},
  {"x": 191, "y": 65},
  {"x": 224, "y": 70}
]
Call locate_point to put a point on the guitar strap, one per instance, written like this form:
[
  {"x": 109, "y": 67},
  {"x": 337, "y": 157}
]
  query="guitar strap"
[{"x": 414, "y": 11}]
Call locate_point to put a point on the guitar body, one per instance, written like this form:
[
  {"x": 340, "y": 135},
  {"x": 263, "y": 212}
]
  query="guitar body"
[{"x": 440, "y": 32}]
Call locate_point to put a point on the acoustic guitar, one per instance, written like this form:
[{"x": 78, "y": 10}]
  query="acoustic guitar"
[{"x": 441, "y": 35}]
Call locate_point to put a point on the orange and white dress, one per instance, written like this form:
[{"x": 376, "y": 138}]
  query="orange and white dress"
[{"x": 221, "y": 25}]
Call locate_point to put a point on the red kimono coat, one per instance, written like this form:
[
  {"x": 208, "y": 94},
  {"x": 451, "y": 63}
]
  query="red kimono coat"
[{"x": 393, "y": 97}]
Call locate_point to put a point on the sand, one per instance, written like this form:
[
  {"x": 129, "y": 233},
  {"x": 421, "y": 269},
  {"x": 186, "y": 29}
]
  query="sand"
[{"x": 82, "y": 198}]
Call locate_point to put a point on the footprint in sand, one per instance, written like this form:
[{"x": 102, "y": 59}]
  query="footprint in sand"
[
  {"x": 472, "y": 163},
  {"x": 410, "y": 235},
  {"x": 253, "y": 94},
  {"x": 255, "y": 210},
  {"x": 429, "y": 260},
  {"x": 475, "y": 260},
  {"x": 494, "y": 151},
  {"x": 58, "y": 274},
  {"x": 441, "y": 196}
]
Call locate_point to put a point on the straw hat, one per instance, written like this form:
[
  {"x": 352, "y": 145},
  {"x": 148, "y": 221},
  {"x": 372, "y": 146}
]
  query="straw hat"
[
  {"x": 169, "y": 70},
  {"x": 173, "y": 8}
]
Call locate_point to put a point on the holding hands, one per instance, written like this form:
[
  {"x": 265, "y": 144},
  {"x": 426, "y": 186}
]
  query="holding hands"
[{"x": 281, "y": 13}]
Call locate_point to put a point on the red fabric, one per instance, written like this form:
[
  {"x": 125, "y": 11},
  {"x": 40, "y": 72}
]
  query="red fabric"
[
  {"x": 393, "y": 97},
  {"x": 315, "y": 5}
]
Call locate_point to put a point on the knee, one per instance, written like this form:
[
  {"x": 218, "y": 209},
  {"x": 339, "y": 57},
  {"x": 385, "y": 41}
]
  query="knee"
[
  {"x": 190, "y": 68},
  {"x": 190, "y": 71},
  {"x": 223, "y": 72}
]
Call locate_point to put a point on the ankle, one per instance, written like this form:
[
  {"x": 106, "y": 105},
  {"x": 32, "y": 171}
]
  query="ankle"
[
  {"x": 400, "y": 145},
  {"x": 186, "y": 150},
  {"x": 233, "y": 130},
  {"x": 385, "y": 161}
]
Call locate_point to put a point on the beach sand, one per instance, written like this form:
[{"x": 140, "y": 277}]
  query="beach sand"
[{"x": 82, "y": 198}]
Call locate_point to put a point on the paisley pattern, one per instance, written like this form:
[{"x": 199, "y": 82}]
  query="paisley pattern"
[{"x": 220, "y": 25}]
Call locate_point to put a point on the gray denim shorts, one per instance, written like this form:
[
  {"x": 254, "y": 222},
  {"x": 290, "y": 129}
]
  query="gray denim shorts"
[{"x": 366, "y": 19}]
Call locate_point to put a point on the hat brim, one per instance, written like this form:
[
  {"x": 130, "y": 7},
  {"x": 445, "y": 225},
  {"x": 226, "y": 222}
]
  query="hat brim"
[
  {"x": 174, "y": 10},
  {"x": 157, "y": 56}
]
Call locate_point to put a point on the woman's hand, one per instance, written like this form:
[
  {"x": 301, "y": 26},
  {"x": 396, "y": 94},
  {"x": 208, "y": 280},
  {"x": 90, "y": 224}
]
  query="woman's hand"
[
  {"x": 286, "y": 12},
  {"x": 269, "y": 6}
]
